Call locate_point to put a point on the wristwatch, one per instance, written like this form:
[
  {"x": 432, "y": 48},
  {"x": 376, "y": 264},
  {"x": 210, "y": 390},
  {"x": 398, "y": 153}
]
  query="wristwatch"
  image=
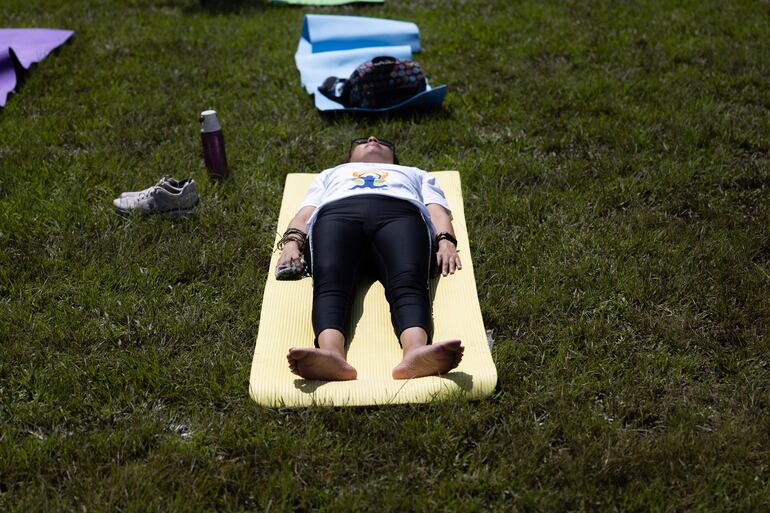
[{"x": 446, "y": 236}]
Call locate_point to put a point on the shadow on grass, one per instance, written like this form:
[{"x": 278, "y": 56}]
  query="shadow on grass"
[
  {"x": 227, "y": 6},
  {"x": 416, "y": 115},
  {"x": 235, "y": 6},
  {"x": 463, "y": 380},
  {"x": 231, "y": 184}
]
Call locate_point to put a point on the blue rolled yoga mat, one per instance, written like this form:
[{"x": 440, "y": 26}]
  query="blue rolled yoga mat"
[{"x": 337, "y": 45}]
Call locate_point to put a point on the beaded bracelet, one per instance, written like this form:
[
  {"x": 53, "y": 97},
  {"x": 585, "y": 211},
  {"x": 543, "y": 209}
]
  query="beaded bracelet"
[{"x": 293, "y": 235}]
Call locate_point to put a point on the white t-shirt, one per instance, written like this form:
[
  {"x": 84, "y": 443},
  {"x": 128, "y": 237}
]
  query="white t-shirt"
[{"x": 357, "y": 178}]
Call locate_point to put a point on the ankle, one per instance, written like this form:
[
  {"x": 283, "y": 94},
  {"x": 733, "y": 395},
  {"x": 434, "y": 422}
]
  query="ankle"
[
  {"x": 407, "y": 349},
  {"x": 333, "y": 341},
  {"x": 334, "y": 348}
]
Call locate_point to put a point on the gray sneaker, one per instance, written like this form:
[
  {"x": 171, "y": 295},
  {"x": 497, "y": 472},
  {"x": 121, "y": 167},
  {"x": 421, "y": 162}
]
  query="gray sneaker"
[
  {"x": 168, "y": 183},
  {"x": 158, "y": 200}
]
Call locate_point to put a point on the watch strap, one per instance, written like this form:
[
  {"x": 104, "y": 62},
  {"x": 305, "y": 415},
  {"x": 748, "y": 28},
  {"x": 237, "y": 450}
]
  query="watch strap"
[{"x": 446, "y": 236}]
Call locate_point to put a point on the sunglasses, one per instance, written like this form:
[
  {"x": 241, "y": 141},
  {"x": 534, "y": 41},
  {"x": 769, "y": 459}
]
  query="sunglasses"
[{"x": 364, "y": 140}]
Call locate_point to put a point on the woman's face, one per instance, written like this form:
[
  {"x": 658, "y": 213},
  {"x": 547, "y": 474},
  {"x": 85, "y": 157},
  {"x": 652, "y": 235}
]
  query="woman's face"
[{"x": 372, "y": 151}]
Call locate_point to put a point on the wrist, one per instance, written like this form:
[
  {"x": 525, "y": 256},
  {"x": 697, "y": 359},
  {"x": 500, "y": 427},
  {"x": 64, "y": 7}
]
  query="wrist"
[
  {"x": 446, "y": 237},
  {"x": 293, "y": 236}
]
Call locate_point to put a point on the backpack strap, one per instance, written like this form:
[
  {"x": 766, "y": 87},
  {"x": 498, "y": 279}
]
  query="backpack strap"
[
  {"x": 332, "y": 89},
  {"x": 387, "y": 59}
]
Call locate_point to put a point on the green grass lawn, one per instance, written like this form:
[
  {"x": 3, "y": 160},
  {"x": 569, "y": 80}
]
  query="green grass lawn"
[{"x": 615, "y": 164}]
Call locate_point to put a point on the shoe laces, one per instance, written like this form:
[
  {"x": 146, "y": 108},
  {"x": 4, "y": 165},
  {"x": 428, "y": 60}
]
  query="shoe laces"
[{"x": 147, "y": 194}]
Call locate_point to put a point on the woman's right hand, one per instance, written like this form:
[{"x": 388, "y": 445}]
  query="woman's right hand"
[
  {"x": 290, "y": 257},
  {"x": 291, "y": 253}
]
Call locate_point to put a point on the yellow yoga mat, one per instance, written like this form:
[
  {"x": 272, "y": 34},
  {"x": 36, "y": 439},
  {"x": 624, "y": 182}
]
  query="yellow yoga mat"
[{"x": 373, "y": 350}]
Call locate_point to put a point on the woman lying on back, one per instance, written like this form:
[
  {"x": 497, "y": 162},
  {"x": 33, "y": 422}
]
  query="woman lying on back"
[{"x": 372, "y": 214}]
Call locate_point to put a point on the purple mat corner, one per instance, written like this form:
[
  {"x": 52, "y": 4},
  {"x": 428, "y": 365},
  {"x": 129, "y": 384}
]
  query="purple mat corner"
[{"x": 25, "y": 46}]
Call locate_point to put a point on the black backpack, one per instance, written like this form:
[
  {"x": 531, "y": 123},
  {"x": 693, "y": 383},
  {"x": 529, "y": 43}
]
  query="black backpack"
[{"x": 380, "y": 82}]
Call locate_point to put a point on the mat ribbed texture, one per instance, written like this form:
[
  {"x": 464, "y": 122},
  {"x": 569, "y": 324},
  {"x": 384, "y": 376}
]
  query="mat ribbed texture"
[{"x": 373, "y": 351}]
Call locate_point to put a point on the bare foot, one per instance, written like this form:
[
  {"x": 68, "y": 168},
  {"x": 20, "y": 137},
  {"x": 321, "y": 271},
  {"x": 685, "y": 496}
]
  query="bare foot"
[
  {"x": 322, "y": 364},
  {"x": 431, "y": 360}
]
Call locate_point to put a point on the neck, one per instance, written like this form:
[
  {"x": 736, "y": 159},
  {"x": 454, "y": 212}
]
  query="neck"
[{"x": 372, "y": 159}]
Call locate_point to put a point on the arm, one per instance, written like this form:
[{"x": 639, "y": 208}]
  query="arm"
[
  {"x": 447, "y": 257},
  {"x": 291, "y": 251}
]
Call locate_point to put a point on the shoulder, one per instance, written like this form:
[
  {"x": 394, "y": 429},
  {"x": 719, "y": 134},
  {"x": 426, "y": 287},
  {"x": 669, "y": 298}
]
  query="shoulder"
[
  {"x": 410, "y": 169},
  {"x": 331, "y": 169},
  {"x": 328, "y": 172}
]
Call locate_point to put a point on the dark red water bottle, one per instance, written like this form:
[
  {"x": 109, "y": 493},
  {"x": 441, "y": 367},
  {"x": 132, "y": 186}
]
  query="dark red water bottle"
[{"x": 213, "y": 145}]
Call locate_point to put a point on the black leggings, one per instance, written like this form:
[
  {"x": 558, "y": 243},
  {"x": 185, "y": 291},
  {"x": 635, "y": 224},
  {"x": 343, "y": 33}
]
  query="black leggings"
[{"x": 380, "y": 236}]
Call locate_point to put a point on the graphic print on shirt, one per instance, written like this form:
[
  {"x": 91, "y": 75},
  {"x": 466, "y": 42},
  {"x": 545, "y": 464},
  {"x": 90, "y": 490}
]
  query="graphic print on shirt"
[{"x": 369, "y": 180}]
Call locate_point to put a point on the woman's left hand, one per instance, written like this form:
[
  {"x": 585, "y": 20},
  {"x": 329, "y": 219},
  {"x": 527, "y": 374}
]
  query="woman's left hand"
[{"x": 447, "y": 258}]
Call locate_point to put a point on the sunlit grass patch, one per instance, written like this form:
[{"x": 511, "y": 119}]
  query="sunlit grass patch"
[{"x": 614, "y": 160}]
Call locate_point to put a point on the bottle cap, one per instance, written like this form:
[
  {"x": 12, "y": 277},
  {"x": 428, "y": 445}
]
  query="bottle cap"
[{"x": 209, "y": 122}]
